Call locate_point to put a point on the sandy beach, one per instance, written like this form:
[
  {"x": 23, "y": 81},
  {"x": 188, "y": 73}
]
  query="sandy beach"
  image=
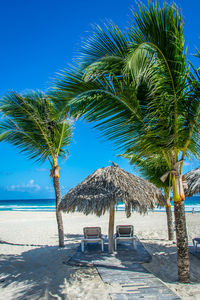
[{"x": 33, "y": 267}]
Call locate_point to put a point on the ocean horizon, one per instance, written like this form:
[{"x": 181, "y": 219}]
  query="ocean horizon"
[{"x": 191, "y": 203}]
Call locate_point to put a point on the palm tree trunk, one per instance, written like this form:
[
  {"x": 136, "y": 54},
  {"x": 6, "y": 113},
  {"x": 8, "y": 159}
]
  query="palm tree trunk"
[
  {"x": 182, "y": 242},
  {"x": 168, "y": 209},
  {"x": 111, "y": 229},
  {"x": 56, "y": 184},
  {"x": 181, "y": 231},
  {"x": 170, "y": 222},
  {"x": 170, "y": 226}
]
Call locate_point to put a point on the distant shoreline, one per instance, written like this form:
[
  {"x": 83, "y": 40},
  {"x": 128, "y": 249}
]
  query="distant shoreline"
[{"x": 48, "y": 205}]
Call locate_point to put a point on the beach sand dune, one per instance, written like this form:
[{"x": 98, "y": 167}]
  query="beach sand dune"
[{"x": 33, "y": 267}]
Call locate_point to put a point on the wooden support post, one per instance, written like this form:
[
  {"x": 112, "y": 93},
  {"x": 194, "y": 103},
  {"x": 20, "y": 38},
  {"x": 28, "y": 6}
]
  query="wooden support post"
[{"x": 111, "y": 229}]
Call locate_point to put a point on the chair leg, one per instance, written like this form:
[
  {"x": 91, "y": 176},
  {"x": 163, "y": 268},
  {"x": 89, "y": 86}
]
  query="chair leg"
[
  {"x": 134, "y": 244},
  {"x": 82, "y": 246},
  {"x": 195, "y": 245},
  {"x": 102, "y": 246},
  {"x": 115, "y": 244}
]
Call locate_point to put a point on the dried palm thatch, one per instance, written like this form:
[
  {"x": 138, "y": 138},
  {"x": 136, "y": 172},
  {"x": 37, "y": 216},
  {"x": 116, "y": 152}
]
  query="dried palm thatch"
[
  {"x": 106, "y": 187},
  {"x": 193, "y": 182}
]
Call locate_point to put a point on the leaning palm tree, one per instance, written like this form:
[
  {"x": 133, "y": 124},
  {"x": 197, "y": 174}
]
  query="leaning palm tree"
[
  {"x": 33, "y": 125},
  {"x": 147, "y": 101},
  {"x": 152, "y": 168}
]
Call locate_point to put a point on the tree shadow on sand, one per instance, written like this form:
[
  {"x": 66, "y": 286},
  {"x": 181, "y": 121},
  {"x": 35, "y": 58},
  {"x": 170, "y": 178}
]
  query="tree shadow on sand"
[
  {"x": 164, "y": 261},
  {"x": 38, "y": 273},
  {"x": 74, "y": 237},
  {"x": 18, "y": 244}
]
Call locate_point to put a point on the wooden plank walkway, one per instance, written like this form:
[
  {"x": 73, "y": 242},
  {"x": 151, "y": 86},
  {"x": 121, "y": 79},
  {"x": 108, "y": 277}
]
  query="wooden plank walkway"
[
  {"x": 136, "y": 283},
  {"x": 125, "y": 268}
]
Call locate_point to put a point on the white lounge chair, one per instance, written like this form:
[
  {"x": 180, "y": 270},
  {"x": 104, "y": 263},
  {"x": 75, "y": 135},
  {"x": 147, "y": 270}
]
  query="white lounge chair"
[
  {"x": 125, "y": 233},
  {"x": 92, "y": 235},
  {"x": 196, "y": 242}
]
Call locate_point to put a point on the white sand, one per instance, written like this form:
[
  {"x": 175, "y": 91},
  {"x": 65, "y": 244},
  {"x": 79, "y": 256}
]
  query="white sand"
[{"x": 32, "y": 266}]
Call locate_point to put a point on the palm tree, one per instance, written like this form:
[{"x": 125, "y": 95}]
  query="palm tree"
[
  {"x": 33, "y": 125},
  {"x": 146, "y": 102},
  {"x": 152, "y": 168}
]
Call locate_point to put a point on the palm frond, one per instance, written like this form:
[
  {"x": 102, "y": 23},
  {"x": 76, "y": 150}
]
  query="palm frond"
[
  {"x": 136, "y": 87},
  {"x": 160, "y": 30},
  {"x": 33, "y": 125},
  {"x": 106, "y": 44},
  {"x": 152, "y": 167}
]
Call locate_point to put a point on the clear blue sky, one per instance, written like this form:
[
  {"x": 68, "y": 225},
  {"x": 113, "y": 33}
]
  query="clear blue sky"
[{"x": 38, "y": 38}]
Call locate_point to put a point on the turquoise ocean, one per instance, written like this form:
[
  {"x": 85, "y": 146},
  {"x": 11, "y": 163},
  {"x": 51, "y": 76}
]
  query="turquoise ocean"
[{"x": 49, "y": 205}]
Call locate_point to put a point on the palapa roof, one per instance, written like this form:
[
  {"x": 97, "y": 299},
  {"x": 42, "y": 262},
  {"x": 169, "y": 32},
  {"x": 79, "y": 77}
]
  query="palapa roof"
[
  {"x": 193, "y": 182},
  {"x": 110, "y": 185}
]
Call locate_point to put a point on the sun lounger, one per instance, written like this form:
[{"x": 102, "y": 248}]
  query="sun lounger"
[
  {"x": 92, "y": 235},
  {"x": 196, "y": 242},
  {"x": 125, "y": 233}
]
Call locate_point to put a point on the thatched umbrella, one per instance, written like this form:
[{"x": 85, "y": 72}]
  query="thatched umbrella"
[
  {"x": 193, "y": 182},
  {"x": 106, "y": 187}
]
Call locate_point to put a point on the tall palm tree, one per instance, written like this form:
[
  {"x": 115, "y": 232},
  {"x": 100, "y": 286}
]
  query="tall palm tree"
[
  {"x": 153, "y": 168},
  {"x": 33, "y": 125},
  {"x": 146, "y": 101}
]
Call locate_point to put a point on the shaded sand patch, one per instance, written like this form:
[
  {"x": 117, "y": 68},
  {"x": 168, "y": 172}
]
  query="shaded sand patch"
[
  {"x": 41, "y": 273},
  {"x": 164, "y": 266}
]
